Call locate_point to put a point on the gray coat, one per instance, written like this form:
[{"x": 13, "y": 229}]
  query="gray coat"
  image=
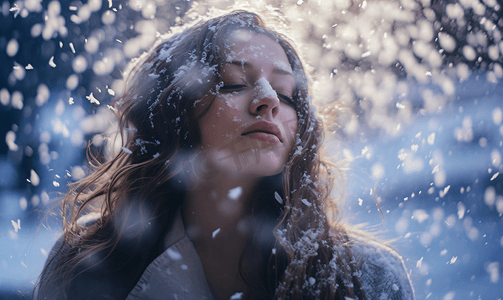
[{"x": 178, "y": 273}]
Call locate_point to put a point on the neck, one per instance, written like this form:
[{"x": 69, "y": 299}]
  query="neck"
[
  {"x": 215, "y": 217},
  {"x": 219, "y": 206}
]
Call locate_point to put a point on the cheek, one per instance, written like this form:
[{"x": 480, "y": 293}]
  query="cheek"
[
  {"x": 220, "y": 122},
  {"x": 290, "y": 125},
  {"x": 228, "y": 112},
  {"x": 230, "y": 106}
]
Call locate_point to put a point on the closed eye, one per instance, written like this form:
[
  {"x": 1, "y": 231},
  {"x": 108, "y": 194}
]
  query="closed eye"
[
  {"x": 288, "y": 100},
  {"x": 232, "y": 87}
]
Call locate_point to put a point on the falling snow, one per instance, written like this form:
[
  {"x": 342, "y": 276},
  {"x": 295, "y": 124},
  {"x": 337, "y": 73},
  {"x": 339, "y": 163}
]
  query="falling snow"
[
  {"x": 235, "y": 193},
  {"x": 214, "y": 234},
  {"x": 418, "y": 84}
]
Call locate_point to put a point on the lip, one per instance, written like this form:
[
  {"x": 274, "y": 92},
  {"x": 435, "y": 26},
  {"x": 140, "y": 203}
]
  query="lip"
[{"x": 263, "y": 130}]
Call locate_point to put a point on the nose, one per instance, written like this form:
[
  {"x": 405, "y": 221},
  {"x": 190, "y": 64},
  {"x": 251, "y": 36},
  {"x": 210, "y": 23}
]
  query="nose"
[{"x": 265, "y": 101}]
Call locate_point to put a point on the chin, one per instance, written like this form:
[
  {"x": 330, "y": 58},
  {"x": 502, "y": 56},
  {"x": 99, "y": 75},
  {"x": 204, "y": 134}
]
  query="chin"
[
  {"x": 264, "y": 170},
  {"x": 270, "y": 161},
  {"x": 255, "y": 163}
]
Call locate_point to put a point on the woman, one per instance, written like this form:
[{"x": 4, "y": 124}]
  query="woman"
[{"x": 220, "y": 190}]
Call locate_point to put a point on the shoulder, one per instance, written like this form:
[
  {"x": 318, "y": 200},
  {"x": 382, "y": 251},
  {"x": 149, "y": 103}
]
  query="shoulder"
[
  {"x": 57, "y": 249},
  {"x": 54, "y": 260},
  {"x": 382, "y": 271}
]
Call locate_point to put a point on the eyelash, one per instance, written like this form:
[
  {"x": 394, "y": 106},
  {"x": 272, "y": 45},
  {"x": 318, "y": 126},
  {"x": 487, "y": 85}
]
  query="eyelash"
[{"x": 240, "y": 86}]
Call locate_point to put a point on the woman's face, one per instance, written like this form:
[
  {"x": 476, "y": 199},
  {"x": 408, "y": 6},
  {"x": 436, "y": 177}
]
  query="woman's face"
[{"x": 250, "y": 126}]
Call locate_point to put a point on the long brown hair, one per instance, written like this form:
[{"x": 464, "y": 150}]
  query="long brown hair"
[{"x": 300, "y": 254}]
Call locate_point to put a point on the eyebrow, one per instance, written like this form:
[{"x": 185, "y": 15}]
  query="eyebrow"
[{"x": 247, "y": 65}]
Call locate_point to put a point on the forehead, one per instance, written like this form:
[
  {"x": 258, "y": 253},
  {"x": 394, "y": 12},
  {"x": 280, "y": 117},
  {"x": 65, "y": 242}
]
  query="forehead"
[{"x": 245, "y": 45}]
